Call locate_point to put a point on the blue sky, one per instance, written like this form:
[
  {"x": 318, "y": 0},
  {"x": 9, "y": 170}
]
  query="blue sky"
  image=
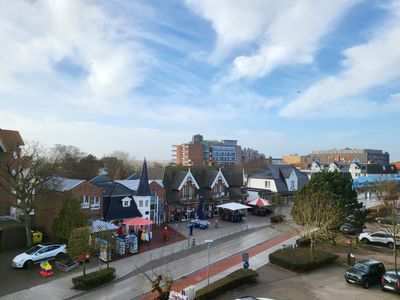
[{"x": 279, "y": 76}]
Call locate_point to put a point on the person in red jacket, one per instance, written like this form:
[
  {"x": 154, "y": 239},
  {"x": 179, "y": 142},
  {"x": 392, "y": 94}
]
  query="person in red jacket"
[{"x": 165, "y": 233}]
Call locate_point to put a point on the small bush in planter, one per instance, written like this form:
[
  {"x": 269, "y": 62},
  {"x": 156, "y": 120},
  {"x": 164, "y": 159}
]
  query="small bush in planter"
[
  {"x": 278, "y": 219},
  {"x": 94, "y": 279}
]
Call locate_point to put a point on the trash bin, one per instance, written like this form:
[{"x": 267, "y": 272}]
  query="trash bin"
[
  {"x": 351, "y": 259},
  {"x": 37, "y": 237}
]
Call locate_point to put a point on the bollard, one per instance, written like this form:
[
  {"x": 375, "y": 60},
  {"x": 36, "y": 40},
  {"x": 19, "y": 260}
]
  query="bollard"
[{"x": 193, "y": 242}]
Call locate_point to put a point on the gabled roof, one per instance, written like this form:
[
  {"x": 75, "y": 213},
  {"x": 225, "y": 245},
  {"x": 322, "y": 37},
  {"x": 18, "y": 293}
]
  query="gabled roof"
[
  {"x": 61, "y": 184},
  {"x": 130, "y": 184},
  {"x": 144, "y": 188},
  {"x": 115, "y": 210},
  {"x": 100, "y": 178},
  {"x": 218, "y": 176},
  {"x": 189, "y": 176},
  {"x": 377, "y": 168},
  {"x": 134, "y": 176},
  {"x": 10, "y": 139},
  {"x": 114, "y": 189}
]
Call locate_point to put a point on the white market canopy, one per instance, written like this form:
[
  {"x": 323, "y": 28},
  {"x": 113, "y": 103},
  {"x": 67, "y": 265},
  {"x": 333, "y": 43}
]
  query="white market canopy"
[
  {"x": 99, "y": 226},
  {"x": 233, "y": 206}
]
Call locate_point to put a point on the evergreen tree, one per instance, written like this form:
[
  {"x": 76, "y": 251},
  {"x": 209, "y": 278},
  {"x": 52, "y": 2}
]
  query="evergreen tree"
[{"x": 70, "y": 217}]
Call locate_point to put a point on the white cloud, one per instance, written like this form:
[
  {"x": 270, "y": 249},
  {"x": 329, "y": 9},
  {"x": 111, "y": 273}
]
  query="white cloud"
[
  {"x": 39, "y": 37},
  {"x": 95, "y": 138},
  {"x": 235, "y": 22},
  {"x": 287, "y": 32},
  {"x": 366, "y": 66}
]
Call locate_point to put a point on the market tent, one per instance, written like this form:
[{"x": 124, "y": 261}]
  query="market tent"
[
  {"x": 137, "y": 222},
  {"x": 259, "y": 202},
  {"x": 99, "y": 226},
  {"x": 233, "y": 206}
]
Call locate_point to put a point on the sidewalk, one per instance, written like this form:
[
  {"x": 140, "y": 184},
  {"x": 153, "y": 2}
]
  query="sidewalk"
[
  {"x": 176, "y": 256},
  {"x": 258, "y": 258}
]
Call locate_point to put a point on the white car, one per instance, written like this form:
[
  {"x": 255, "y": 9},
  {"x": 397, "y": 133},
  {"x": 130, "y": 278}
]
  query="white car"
[
  {"x": 379, "y": 237},
  {"x": 252, "y": 298},
  {"x": 38, "y": 253}
]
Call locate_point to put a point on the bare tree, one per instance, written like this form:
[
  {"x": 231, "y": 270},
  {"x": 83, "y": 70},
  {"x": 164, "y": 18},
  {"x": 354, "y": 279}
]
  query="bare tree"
[
  {"x": 389, "y": 195},
  {"x": 160, "y": 283},
  {"x": 317, "y": 213},
  {"x": 23, "y": 178}
]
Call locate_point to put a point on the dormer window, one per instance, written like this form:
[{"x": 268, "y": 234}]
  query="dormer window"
[{"x": 126, "y": 202}]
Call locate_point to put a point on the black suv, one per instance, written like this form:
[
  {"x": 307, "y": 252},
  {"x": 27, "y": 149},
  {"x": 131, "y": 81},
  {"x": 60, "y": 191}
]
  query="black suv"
[{"x": 365, "y": 273}]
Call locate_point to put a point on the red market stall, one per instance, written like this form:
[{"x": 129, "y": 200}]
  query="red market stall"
[{"x": 141, "y": 227}]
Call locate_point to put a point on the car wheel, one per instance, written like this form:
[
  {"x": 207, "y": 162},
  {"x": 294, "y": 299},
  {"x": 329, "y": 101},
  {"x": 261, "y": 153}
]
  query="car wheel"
[
  {"x": 390, "y": 245},
  {"x": 383, "y": 288},
  {"x": 365, "y": 241},
  {"x": 366, "y": 284},
  {"x": 28, "y": 264}
]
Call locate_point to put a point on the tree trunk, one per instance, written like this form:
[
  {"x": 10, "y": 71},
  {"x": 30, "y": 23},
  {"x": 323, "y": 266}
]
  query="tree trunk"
[
  {"x": 334, "y": 240},
  {"x": 28, "y": 231},
  {"x": 312, "y": 246},
  {"x": 84, "y": 265}
]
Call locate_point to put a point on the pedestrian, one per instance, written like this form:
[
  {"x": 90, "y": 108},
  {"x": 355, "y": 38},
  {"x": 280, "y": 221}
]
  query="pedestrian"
[
  {"x": 216, "y": 223},
  {"x": 165, "y": 233}
]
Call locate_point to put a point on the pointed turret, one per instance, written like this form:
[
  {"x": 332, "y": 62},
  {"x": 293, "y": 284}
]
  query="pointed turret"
[{"x": 144, "y": 188}]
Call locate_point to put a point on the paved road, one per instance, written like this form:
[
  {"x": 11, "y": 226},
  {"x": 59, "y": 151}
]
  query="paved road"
[
  {"x": 136, "y": 286},
  {"x": 324, "y": 284}
]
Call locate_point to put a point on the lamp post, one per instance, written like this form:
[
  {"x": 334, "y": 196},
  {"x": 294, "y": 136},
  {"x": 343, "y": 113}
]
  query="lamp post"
[{"x": 209, "y": 243}]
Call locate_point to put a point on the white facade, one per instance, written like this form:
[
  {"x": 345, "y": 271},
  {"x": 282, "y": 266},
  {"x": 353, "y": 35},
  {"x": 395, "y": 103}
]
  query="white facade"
[
  {"x": 292, "y": 182},
  {"x": 263, "y": 184},
  {"x": 143, "y": 205}
]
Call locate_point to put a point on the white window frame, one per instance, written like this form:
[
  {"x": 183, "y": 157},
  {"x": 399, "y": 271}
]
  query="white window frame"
[
  {"x": 146, "y": 203},
  {"x": 140, "y": 203},
  {"x": 15, "y": 154},
  {"x": 126, "y": 202},
  {"x": 85, "y": 202},
  {"x": 190, "y": 193},
  {"x": 267, "y": 184},
  {"x": 95, "y": 203}
]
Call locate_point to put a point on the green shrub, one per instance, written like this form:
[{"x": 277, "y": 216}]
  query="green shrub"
[
  {"x": 299, "y": 259},
  {"x": 304, "y": 241},
  {"x": 278, "y": 219},
  {"x": 231, "y": 281},
  {"x": 94, "y": 279}
]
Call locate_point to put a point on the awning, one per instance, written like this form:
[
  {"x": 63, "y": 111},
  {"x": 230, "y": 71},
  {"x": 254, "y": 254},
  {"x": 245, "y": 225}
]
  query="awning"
[
  {"x": 233, "y": 206},
  {"x": 259, "y": 202},
  {"x": 137, "y": 222},
  {"x": 99, "y": 226}
]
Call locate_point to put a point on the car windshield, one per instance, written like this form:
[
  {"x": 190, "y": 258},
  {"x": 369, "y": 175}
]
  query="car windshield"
[
  {"x": 33, "y": 250},
  {"x": 361, "y": 267}
]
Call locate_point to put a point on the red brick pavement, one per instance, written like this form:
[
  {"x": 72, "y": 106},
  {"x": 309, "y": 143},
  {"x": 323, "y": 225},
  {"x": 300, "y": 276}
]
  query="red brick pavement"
[{"x": 225, "y": 264}]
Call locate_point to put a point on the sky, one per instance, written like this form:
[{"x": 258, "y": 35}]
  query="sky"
[{"x": 281, "y": 77}]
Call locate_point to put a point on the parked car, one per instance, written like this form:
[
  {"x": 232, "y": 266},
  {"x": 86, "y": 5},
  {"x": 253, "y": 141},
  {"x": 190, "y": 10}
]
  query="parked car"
[
  {"x": 391, "y": 282},
  {"x": 38, "y": 253},
  {"x": 252, "y": 298},
  {"x": 379, "y": 237},
  {"x": 386, "y": 220},
  {"x": 365, "y": 273},
  {"x": 348, "y": 228}
]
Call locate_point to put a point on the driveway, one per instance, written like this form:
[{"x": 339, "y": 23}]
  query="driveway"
[{"x": 324, "y": 284}]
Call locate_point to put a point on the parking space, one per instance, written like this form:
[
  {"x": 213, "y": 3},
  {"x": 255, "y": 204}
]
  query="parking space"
[{"x": 324, "y": 284}]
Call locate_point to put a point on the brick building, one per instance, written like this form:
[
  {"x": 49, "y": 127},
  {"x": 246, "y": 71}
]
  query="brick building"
[
  {"x": 51, "y": 199},
  {"x": 10, "y": 149}
]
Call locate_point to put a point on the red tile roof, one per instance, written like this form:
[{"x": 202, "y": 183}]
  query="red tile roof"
[{"x": 10, "y": 138}]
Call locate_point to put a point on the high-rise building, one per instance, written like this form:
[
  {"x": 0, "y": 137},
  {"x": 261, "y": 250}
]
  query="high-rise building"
[{"x": 200, "y": 152}]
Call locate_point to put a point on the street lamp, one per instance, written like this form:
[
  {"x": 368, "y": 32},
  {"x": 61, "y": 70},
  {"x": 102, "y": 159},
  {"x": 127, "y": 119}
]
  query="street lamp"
[{"x": 209, "y": 243}]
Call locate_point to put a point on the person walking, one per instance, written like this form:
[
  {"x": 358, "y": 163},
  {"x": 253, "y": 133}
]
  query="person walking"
[{"x": 165, "y": 233}]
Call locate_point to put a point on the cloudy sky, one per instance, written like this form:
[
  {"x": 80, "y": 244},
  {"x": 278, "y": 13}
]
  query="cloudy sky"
[{"x": 279, "y": 76}]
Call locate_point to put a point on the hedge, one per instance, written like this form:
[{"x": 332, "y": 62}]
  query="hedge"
[
  {"x": 229, "y": 282},
  {"x": 278, "y": 219},
  {"x": 299, "y": 259},
  {"x": 304, "y": 241},
  {"x": 93, "y": 279}
]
